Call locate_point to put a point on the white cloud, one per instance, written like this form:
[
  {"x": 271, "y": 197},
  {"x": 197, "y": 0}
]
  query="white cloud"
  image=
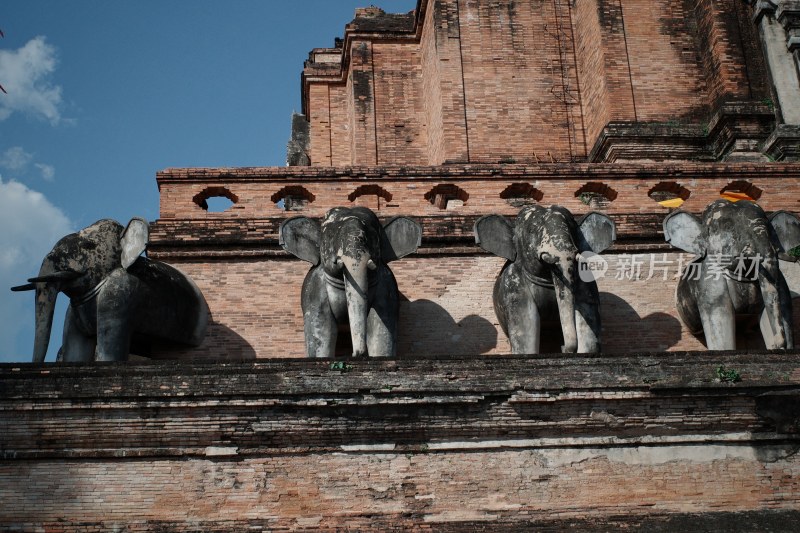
[
  {"x": 26, "y": 77},
  {"x": 48, "y": 171},
  {"x": 31, "y": 226},
  {"x": 17, "y": 160}
]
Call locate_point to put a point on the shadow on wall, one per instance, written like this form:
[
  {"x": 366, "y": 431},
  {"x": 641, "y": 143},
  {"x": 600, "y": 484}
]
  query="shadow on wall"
[
  {"x": 425, "y": 328},
  {"x": 221, "y": 343},
  {"x": 625, "y": 331}
]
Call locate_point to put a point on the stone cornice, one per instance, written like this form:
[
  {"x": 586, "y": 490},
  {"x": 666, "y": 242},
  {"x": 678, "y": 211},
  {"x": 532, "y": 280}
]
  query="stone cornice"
[{"x": 762, "y": 8}]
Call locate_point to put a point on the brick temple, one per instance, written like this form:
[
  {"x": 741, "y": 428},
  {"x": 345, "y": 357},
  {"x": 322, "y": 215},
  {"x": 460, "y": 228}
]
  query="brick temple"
[{"x": 455, "y": 110}]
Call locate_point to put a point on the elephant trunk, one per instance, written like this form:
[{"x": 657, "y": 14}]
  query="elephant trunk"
[
  {"x": 564, "y": 279},
  {"x": 356, "y": 286},
  {"x": 772, "y": 317},
  {"x": 46, "y": 294}
]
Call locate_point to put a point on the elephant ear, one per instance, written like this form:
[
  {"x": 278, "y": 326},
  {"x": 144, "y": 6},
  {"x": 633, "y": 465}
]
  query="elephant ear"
[
  {"x": 300, "y": 236},
  {"x": 597, "y": 232},
  {"x": 495, "y": 234},
  {"x": 401, "y": 236},
  {"x": 683, "y": 230},
  {"x": 134, "y": 241},
  {"x": 787, "y": 229}
]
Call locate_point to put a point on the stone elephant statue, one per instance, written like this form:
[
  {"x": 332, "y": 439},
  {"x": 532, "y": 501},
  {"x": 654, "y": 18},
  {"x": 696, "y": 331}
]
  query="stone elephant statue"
[
  {"x": 116, "y": 296},
  {"x": 540, "y": 281},
  {"x": 350, "y": 281},
  {"x": 736, "y": 271}
]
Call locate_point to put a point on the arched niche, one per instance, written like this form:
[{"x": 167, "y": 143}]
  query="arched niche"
[
  {"x": 596, "y": 195},
  {"x": 373, "y": 196},
  {"x": 292, "y": 198},
  {"x": 447, "y": 196},
  {"x": 520, "y": 194},
  {"x": 669, "y": 194},
  {"x": 740, "y": 190},
  {"x": 215, "y": 199}
]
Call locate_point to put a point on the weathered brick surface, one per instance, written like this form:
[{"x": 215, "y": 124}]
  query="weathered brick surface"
[
  {"x": 525, "y": 81},
  {"x": 449, "y": 444},
  {"x": 331, "y": 187},
  {"x": 253, "y": 288},
  {"x": 446, "y": 306}
]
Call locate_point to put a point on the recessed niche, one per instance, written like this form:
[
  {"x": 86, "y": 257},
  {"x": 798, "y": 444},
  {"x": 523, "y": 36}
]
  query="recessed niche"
[
  {"x": 215, "y": 199},
  {"x": 372, "y": 196},
  {"x": 740, "y": 190},
  {"x": 596, "y": 195},
  {"x": 669, "y": 194},
  {"x": 292, "y": 198},
  {"x": 520, "y": 194},
  {"x": 447, "y": 196}
]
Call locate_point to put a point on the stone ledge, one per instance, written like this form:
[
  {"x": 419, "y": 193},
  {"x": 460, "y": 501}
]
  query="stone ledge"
[
  {"x": 477, "y": 374},
  {"x": 766, "y": 520},
  {"x": 502, "y": 172},
  {"x": 296, "y": 407},
  {"x": 451, "y": 234}
]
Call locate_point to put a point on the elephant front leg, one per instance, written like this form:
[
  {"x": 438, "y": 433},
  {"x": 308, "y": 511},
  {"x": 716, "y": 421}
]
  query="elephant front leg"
[
  {"x": 717, "y": 316},
  {"x": 382, "y": 317},
  {"x": 116, "y": 303},
  {"x": 381, "y": 333},
  {"x": 517, "y": 312},
  {"x": 320, "y": 328},
  {"x": 782, "y": 338},
  {"x": 76, "y": 346},
  {"x": 525, "y": 328},
  {"x": 587, "y": 318}
]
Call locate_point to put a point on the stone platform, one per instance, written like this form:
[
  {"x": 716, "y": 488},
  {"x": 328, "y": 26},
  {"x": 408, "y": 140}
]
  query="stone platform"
[{"x": 651, "y": 441}]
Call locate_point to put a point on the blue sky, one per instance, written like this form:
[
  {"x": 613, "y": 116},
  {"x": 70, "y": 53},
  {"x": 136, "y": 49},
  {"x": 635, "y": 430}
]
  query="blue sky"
[{"x": 102, "y": 94}]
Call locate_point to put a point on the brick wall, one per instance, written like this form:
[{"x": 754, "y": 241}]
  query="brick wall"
[
  {"x": 471, "y": 81},
  {"x": 253, "y": 287},
  {"x": 331, "y": 187},
  {"x": 446, "y": 307},
  {"x": 453, "y": 444}
]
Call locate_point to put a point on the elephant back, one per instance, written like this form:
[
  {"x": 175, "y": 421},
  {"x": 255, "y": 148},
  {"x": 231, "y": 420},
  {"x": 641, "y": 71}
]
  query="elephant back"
[{"x": 171, "y": 307}]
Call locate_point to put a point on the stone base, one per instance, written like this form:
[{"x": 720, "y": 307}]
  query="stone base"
[
  {"x": 783, "y": 144},
  {"x": 650, "y": 441},
  {"x": 733, "y": 133}
]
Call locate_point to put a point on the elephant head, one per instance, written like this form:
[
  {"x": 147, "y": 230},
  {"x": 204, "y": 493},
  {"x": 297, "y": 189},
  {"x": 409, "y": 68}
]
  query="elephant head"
[
  {"x": 543, "y": 248},
  {"x": 100, "y": 270},
  {"x": 349, "y": 251},
  {"x": 738, "y": 250}
]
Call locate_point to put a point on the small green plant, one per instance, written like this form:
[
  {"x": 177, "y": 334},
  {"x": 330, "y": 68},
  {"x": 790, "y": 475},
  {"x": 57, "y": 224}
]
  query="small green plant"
[
  {"x": 586, "y": 197},
  {"x": 768, "y": 102},
  {"x": 795, "y": 252},
  {"x": 341, "y": 366},
  {"x": 728, "y": 375}
]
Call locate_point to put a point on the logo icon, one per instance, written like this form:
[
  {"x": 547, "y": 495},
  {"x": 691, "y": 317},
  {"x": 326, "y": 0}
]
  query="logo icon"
[{"x": 591, "y": 267}]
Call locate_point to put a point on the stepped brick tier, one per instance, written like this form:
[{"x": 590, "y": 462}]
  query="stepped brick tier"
[
  {"x": 253, "y": 287},
  {"x": 654, "y": 440},
  {"x": 597, "y": 80}
]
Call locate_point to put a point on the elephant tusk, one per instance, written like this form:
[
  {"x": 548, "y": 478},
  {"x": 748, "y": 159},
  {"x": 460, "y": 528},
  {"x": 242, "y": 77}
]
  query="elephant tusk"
[
  {"x": 371, "y": 265},
  {"x": 26, "y": 287},
  {"x": 65, "y": 275}
]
